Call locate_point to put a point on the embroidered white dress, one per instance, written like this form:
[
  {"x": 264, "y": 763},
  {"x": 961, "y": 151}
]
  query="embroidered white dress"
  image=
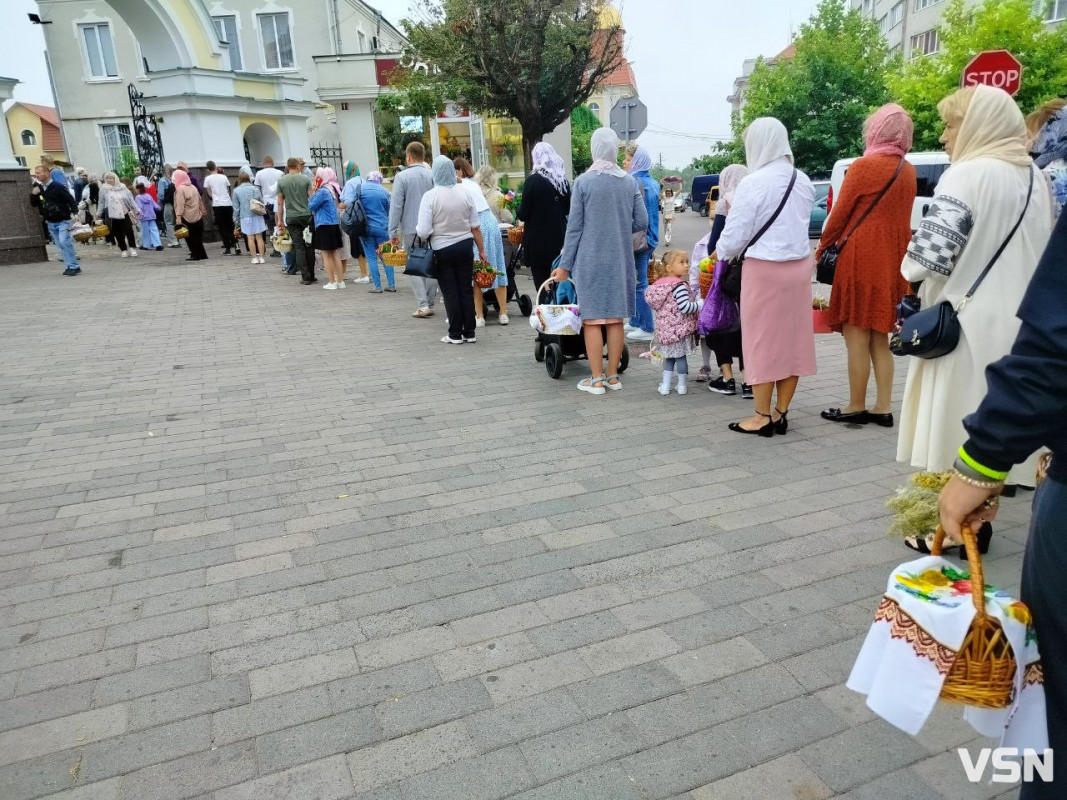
[{"x": 976, "y": 205}]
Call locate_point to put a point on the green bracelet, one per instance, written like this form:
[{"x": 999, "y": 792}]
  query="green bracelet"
[{"x": 984, "y": 472}]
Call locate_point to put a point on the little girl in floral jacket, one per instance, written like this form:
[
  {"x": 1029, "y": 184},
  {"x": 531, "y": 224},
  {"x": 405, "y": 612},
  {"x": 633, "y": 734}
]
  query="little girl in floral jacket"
[{"x": 676, "y": 307}]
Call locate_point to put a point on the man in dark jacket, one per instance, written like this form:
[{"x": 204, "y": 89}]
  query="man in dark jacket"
[{"x": 57, "y": 206}]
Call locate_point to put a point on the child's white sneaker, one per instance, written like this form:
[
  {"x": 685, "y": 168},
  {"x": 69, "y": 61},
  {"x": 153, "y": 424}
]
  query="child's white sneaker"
[
  {"x": 664, "y": 389},
  {"x": 682, "y": 389}
]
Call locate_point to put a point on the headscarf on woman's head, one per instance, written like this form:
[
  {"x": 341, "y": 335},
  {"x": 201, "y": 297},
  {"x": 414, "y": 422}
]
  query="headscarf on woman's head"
[
  {"x": 641, "y": 161},
  {"x": 328, "y": 178},
  {"x": 1051, "y": 142},
  {"x": 444, "y": 171},
  {"x": 111, "y": 180},
  {"x": 180, "y": 178},
  {"x": 246, "y": 169},
  {"x": 58, "y": 176},
  {"x": 486, "y": 178},
  {"x": 991, "y": 125},
  {"x": 376, "y": 177},
  {"x": 766, "y": 141},
  {"x": 604, "y": 147},
  {"x": 350, "y": 170},
  {"x": 729, "y": 179},
  {"x": 548, "y": 163},
  {"x": 889, "y": 132}
]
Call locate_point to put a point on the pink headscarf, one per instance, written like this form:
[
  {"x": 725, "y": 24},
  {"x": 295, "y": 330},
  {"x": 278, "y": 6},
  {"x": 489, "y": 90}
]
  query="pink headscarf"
[
  {"x": 889, "y": 132},
  {"x": 327, "y": 177},
  {"x": 180, "y": 178}
]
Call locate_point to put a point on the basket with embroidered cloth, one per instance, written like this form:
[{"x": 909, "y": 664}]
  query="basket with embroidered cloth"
[{"x": 941, "y": 632}]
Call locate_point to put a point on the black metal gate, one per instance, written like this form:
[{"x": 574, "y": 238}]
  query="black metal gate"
[
  {"x": 328, "y": 156},
  {"x": 145, "y": 135}
]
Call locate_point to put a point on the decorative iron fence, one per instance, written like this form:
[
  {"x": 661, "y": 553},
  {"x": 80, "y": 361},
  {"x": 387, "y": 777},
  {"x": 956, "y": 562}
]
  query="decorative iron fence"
[
  {"x": 328, "y": 156},
  {"x": 145, "y": 135}
]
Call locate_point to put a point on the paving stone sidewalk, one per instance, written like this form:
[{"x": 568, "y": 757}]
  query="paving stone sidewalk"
[{"x": 262, "y": 541}]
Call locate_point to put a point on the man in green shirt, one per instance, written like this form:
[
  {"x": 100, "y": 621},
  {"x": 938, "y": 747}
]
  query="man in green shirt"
[{"x": 293, "y": 213}]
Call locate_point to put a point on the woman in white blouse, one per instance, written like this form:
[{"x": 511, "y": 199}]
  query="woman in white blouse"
[
  {"x": 779, "y": 341},
  {"x": 448, "y": 218}
]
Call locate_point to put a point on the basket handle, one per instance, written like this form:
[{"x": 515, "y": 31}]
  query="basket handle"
[{"x": 974, "y": 561}]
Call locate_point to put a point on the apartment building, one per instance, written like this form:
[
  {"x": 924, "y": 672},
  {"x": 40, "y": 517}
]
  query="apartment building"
[{"x": 910, "y": 27}]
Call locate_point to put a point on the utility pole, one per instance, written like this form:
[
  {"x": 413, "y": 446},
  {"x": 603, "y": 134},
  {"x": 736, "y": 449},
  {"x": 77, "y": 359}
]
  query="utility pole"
[{"x": 660, "y": 162}]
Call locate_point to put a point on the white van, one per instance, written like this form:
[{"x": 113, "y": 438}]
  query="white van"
[{"x": 929, "y": 167}]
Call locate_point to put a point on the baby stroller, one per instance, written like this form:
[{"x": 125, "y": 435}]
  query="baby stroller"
[
  {"x": 556, "y": 349},
  {"x": 524, "y": 301}
]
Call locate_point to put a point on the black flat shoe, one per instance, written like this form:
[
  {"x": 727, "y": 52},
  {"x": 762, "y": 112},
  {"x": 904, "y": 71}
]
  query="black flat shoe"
[
  {"x": 885, "y": 420},
  {"x": 782, "y": 425},
  {"x": 855, "y": 417},
  {"x": 985, "y": 534},
  {"x": 767, "y": 431}
]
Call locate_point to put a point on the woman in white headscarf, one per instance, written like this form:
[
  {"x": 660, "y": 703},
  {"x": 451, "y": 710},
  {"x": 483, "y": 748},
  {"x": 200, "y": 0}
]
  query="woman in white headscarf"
[
  {"x": 779, "y": 341},
  {"x": 978, "y": 201},
  {"x": 607, "y": 208},
  {"x": 545, "y": 204}
]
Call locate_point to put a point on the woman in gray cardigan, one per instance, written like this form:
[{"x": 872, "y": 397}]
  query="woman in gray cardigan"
[{"x": 607, "y": 208}]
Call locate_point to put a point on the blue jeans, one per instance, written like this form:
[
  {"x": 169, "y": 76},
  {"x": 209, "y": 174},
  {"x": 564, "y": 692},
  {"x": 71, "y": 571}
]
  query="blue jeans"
[
  {"x": 149, "y": 234},
  {"x": 370, "y": 250},
  {"x": 60, "y": 232},
  {"x": 287, "y": 261},
  {"x": 642, "y": 317}
]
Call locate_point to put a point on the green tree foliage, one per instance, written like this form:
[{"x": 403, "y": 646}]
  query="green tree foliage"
[
  {"x": 966, "y": 31},
  {"x": 583, "y": 124},
  {"x": 532, "y": 60},
  {"x": 823, "y": 94},
  {"x": 126, "y": 163},
  {"x": 724, "y": 154}
]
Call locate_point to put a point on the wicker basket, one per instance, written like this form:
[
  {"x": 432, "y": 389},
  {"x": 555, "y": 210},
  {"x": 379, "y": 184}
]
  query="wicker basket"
[
  {"x": 100, "y": 230},
  {"x": 283, "y": 244},
  {"x": 705, "y": 279},
  {"x": 83, "y": 236},
  {"x": 484, "y": 279},
  {"x": 397, "y": 258},
  {"x": 983, "y": 674},
  {"x": 515, "y": 234},
  {"x": 181, "y": 232}
]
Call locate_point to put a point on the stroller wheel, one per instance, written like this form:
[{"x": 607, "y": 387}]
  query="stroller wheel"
[
  {"x": 525, "y": 305},
  {"x": 554, "y": 360},
  {"x": 624, "y": 360},
  {"x": 539, "y": 351}
]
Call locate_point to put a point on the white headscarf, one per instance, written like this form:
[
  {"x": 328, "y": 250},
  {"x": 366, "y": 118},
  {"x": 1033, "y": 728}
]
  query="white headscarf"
[
  {"x": 766, "y": 140},
  {"x": 993, "y": 127},
  {"x": 604, "y": 147},
  {"x": 728, "y": 182},
  {"x": 549, "y": 163}
]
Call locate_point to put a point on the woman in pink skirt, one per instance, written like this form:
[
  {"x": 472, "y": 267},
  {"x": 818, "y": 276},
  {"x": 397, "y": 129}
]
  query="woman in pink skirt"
[{"x": 768, "y": 227}]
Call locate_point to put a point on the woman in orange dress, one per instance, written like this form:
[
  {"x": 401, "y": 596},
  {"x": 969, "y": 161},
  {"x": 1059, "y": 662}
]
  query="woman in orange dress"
[{"x": 868, "y": 284}]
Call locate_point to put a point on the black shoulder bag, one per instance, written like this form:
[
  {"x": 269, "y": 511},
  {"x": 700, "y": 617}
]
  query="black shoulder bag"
[
  {"x": 934, "y": 332},
  {"x": 731, "y": 279},
  {"x": 827, "y": 266}
]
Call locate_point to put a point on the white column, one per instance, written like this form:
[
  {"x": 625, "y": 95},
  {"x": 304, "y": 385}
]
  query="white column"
[{"x": 7, "y": 155}]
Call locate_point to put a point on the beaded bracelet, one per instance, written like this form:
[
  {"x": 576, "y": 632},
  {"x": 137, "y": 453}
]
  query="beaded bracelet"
[{"x": 990, "y": 485}]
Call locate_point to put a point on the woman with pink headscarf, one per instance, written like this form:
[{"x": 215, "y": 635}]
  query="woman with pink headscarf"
[
  {"x": 327, "y": 238},
  {"x": 873, "y": 238}
]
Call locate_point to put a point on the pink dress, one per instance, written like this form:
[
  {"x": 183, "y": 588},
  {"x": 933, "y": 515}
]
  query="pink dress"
[{"x": 779, "y": 338}]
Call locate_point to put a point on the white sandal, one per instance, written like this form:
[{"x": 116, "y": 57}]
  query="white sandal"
[{"x": 590, "y": 385}]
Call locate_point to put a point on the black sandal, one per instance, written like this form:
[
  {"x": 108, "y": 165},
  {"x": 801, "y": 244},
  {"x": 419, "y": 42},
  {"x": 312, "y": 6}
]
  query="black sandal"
[
  {"x": 782, "y": 425},
  {"x": 767, "y": 431},
  {"x": 855, "y": 417},
  {"x": 985, "y": 534}
]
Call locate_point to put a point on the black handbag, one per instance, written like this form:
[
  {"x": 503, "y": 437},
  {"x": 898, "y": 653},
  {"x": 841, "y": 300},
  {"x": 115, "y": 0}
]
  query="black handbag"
[
  {"x": 421, "y": 262},
  {"x": 934, "y": 332},
  {"x": 731, "y": 279},
  {"x": 826, "y": 269}
]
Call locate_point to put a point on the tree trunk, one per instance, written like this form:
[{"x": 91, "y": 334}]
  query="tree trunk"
[{"x": 532, "y": 133}]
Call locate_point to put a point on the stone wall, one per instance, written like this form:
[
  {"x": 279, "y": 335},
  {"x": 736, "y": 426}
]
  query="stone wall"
[{"x": 21, "y": 234}]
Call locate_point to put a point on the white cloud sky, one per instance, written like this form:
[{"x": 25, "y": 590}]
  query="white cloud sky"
[{"x": 686, "y": 54}]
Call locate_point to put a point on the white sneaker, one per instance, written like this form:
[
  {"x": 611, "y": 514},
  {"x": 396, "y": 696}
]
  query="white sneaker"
[
  {"x": 124, "y": 254},
  {"x": 639, "y": 336},
  {"x": 504, "y": 319},
  {"x": 450, "y": 340},
  {"x": 479, "y": 322},
  {"x": 628, "y": 327},
  {"x": 664, "y": 389},
  {"x": 683, "y": 389},
  {"x": 133, "y": 253},
  {"x": 341, "y": 285},
  {"x": 361, "y": 280},
  {"x": 330, "y": 287}
]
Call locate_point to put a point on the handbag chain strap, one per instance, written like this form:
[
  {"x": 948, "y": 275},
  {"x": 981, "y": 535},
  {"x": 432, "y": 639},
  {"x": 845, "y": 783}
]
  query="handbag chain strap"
[
  {"x": 774, "y": 216},
  {"x": 1000, "y": 250},
  {"x": 871, "y": 207}
]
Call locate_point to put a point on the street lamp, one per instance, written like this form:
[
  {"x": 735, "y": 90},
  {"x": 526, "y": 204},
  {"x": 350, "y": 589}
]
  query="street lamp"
[{"x": 36, "y": 19}]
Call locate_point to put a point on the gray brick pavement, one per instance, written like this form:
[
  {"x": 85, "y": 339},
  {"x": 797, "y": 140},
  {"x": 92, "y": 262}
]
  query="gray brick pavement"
[{"x": 261, "y": 541}]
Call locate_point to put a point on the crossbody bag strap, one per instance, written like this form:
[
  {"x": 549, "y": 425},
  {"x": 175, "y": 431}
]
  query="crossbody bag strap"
[
  {"x": 775, "y": 215},
  {"x": 872, "y": 206},
  {"x": 1000, "y": 250}
]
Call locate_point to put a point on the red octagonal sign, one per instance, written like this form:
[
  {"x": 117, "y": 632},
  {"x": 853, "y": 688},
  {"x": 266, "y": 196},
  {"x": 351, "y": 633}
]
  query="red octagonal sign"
[{"x": 997, "y": 68}]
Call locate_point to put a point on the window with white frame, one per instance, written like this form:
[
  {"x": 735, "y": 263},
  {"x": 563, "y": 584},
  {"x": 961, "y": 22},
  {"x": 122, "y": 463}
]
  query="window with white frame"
[
  {"x": 362, "y": 41},
  {"x": 1051, "y": 10},
  {"x": 99, "y": 50},
  {"x": 925, "y": 43},
  {"x": 595, "y": 108},
  {"x": 921, "y": 4},
  {"x": 277, "y": 41},
  {"x": 116, "y": 138},
  {"x": 20, "y": 160},
  {"x": 883, "y": 24},
  {"x": 896, "y": 14},
  {"x": 226, "y": 28},
  {"x": 28, "y": 138}
]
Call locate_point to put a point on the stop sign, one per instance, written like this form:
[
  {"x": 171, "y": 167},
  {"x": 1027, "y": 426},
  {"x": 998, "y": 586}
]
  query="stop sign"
[{"x": 997, "y": 68}]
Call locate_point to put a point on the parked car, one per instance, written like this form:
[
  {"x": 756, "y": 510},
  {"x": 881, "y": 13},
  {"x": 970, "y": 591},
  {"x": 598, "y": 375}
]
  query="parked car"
[
  {"x": 681, "y": 201},
  {"x": 818, "y": 212},
  {"x": 929, "y": 167},
  {"x": 704, "y": 186}
]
